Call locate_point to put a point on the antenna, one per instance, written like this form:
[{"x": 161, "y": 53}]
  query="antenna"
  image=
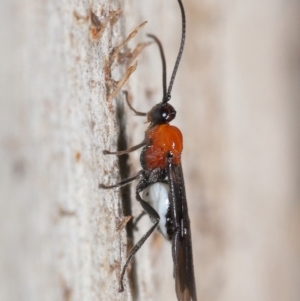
[
  {"x": 167, "y": 97},
  {"x": 164, "y": 68}
]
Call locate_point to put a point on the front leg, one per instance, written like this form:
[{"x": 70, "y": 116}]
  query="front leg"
[
  {"x": 132, "y": 149},
  {"x": 130, "y": 106}
]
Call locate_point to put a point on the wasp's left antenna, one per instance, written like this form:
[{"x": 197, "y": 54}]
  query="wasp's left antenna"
[{"x": 164, "y": 67}]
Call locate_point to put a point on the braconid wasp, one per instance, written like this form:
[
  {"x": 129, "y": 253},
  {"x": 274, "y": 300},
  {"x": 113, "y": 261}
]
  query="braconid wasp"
[{"x": 161, "y": 182}]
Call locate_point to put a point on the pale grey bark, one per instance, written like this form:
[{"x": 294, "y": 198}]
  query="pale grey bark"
[
  {"x": 58, "y": 230},
  {"x": 237, "y": 98}
]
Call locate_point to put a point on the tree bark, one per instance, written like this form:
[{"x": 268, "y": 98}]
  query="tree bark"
[
  {"x": 237, "y": 101},
  {"x": 59, "y": 238}
]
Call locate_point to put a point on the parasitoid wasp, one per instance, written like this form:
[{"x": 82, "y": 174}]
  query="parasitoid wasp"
[{"x": 162, "y": 183}]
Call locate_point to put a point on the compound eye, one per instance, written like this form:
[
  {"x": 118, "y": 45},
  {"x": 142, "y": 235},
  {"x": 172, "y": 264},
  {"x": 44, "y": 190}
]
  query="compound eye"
[
  {"x": 164, "y": 113},
  {"x": 168, "y": 113}
]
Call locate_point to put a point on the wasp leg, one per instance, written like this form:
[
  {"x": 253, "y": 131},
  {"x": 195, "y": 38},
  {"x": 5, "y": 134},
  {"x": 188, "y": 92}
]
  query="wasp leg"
[
  {"x": 119, "y": 153},
  {"x": 155, "y": 219},
  {"x": 131, "y": 108},
  {"x": 137, "y": 220},
  {"x": 124, "y": 182}
]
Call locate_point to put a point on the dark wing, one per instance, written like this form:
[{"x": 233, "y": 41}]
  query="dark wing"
[{"x": 181, "y": 240}]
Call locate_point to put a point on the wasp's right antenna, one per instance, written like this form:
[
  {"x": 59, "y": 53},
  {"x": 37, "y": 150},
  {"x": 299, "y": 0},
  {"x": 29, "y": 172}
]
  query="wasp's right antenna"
[{"x": 183, "y": 23}]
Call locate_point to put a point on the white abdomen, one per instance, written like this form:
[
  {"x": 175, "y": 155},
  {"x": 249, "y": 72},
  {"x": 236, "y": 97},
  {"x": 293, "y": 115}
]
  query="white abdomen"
[{"x": 157, "y": 195}]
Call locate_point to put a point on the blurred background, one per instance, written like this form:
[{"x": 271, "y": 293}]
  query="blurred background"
[{"x": 237, "y": 96}]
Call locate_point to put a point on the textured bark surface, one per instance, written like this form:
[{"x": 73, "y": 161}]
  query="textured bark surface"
[
  {"x": 237, "y": 100},
  {"x": 58, "y": 230}
]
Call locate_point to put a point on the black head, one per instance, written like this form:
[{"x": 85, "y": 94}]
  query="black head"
[{"x": 161, "y": 113}]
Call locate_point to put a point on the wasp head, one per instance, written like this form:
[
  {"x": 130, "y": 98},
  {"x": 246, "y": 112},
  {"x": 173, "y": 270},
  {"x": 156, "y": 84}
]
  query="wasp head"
[{"x": 161, "y": 113}]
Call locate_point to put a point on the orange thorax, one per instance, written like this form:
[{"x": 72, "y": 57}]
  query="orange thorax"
[{"x": 164, "y": 139}]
